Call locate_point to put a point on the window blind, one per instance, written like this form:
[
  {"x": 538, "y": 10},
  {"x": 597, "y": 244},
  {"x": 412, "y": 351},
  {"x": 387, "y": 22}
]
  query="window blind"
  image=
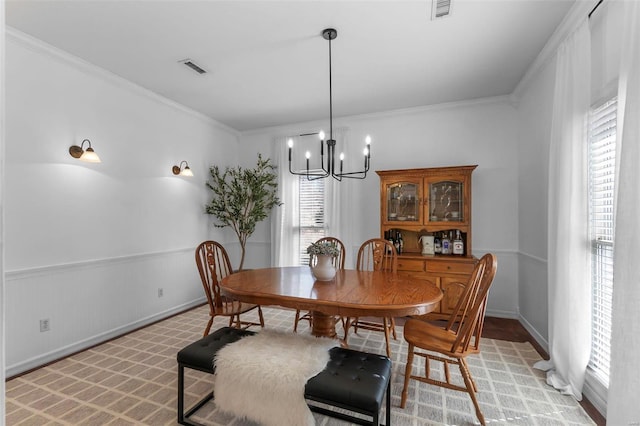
[
  {"x": 311, "y": 214},
  {"x": 602, "y": 160}
]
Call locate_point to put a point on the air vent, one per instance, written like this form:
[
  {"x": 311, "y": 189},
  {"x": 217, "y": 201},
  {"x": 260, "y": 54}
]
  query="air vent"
[
  {"x": 440, "y": 9},
  {"x": 193, "y": 66}
]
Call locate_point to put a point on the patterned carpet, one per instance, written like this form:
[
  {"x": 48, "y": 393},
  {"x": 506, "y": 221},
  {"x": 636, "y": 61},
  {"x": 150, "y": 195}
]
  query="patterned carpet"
[{"x": 132, "y": 381}]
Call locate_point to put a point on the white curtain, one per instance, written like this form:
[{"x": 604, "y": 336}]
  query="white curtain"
[
  {"x": 284, "y": 248},
  {"x": 568, "y": 247},
  {"x": 337, "y": 195},
  {"x": 624, "y": 384}
]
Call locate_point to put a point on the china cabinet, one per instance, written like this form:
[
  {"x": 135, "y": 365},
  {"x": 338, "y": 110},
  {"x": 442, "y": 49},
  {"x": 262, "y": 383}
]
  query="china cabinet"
[{"x": 430, "y": 206}]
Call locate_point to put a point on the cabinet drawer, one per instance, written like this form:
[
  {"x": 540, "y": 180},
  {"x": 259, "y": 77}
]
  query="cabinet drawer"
[
  {"x": 450, "y": 267},
  {"x": 410, "y": 265}
]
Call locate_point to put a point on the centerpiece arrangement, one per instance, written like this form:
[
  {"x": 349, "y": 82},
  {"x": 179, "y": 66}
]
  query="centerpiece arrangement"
[{"x": 325, "y": 253}]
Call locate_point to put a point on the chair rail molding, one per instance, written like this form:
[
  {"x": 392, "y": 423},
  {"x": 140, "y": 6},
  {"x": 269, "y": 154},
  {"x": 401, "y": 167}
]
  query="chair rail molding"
[
  {"x": 25, "y": 273},
  {"x": 531, "y": 256}
]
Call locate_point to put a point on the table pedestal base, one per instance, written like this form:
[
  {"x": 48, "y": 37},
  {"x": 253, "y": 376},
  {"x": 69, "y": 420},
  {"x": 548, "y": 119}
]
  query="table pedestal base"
[{"x": 323, "y": 325}]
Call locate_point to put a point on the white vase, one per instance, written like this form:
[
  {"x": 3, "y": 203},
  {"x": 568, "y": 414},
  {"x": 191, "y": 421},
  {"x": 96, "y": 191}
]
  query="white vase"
[{"x": 324, "y": 269}]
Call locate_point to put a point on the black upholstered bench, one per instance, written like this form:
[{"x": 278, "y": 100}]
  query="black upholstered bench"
[
  {"x": 355, "y": 381},
  {"x": 352, "y": 380},
  {"x": 199, "y": 356}
]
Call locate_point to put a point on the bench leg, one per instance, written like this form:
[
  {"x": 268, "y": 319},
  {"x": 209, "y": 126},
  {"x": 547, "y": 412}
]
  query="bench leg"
[
  {"x": 388, "y": 409},
  {"x": 183, "y": 418},
  {"x": 180, "y": 394}
]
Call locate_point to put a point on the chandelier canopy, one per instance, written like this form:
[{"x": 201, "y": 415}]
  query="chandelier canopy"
[{"x": 328, "y": 166}]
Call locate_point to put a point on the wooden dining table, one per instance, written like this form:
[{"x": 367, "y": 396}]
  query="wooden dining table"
[{"x": 350, "y": 294}]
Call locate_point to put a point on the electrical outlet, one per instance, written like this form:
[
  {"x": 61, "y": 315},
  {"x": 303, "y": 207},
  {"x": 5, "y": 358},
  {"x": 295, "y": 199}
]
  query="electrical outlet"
[
  {"x": 160, "y": 292},
  {"x": 44, "y": 325}
]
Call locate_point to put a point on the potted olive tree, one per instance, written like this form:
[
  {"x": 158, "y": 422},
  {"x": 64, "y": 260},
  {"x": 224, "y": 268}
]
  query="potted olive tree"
[{"x": 242, "y": 197}]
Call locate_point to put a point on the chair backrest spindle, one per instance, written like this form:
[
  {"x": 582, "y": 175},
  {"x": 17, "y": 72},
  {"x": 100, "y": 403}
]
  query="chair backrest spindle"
[
  {"x": 377, "y": 254},
  {"x": 213, "y": 265},
  {"x": 468, "y": 316}
]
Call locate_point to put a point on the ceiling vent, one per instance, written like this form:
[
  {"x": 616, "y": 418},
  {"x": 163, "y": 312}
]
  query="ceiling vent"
[
  {"x": 193, "y": 66},
  {"x": 440, "y": 9}
]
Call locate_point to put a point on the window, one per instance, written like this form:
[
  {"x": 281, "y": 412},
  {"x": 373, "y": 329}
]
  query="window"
[
  {"x": 311, "y": 215},
  {"x": 602, "y": 160}
]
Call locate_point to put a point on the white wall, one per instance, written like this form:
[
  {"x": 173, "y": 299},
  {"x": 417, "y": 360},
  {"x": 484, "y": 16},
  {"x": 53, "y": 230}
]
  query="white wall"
[
  {"x": 2, "y": 269},
  {"x": 534, "y": 127},
  {"x": 476, "y": 132},
  {"x": 88, "y": 245}
]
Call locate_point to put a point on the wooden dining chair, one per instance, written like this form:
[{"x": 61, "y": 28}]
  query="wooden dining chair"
[
  {"x": 459, "y": 338},
  {"x": 213, "y": 265},
  {"x": 338, "y": 263},
  {"x": 376, "y": 254}
]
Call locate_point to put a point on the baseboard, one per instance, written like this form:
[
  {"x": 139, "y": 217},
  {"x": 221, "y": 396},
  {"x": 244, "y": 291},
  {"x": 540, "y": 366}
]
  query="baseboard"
[
  {"x": 502, "y": 314},
  {"x": 534, "y": 333},
  {"x": 596, "y": 393},
  {"x": 79, "y": 346}
]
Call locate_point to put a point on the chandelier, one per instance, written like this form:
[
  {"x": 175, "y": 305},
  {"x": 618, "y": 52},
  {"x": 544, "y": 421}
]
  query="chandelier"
[{"x": 328, "y": 165}]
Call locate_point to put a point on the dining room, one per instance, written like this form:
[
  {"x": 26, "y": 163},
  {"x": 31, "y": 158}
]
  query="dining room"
[{"x": 93, "y": 251}]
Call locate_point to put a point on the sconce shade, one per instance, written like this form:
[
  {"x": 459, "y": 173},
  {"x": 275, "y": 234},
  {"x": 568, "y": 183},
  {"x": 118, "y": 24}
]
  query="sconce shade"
[
  {"x": 186, "y": 172},
  {"x": 178, "y": 170},
  {"x": 88, "y": 155}
]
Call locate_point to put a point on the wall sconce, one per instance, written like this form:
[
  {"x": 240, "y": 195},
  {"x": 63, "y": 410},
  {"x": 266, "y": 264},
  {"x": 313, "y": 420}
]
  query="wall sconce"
[
  {"x": 178, "y": 170},
  {"x": 87, "y": 155}
]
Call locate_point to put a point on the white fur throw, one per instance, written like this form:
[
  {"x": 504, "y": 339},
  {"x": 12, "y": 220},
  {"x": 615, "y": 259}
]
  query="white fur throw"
[{"x": 262, "y": 377}]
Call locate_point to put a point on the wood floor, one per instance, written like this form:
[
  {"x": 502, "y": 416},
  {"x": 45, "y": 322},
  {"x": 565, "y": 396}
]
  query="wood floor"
[{"x": 512, "y": 330}]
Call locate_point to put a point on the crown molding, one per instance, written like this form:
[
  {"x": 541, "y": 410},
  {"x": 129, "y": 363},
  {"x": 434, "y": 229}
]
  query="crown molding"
[
  {"x": 39, "y": 46},
  {"x": 383, "y": 114},
  {"x": 578, "y": 12}
]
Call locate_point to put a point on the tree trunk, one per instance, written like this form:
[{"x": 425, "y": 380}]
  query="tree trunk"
[{"x": 242, "y": 249}]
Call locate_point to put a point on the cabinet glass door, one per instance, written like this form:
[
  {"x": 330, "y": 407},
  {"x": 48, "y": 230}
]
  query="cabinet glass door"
[
  {"x": 446, "y": 201},
  {"x": 403, "y": 202}
]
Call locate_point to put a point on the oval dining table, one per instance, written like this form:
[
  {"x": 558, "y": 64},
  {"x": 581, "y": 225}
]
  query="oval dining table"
[{"x": 350, "y": 294}]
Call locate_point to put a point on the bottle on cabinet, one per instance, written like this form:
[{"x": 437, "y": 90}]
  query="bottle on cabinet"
[
  {"x": 446, "y": 244},
  {"x": 437, "y": 244},
  {"x": 400, "y": 242},
  {"x": 458, "y": 244},
  {"x": 389, "y": 237}
]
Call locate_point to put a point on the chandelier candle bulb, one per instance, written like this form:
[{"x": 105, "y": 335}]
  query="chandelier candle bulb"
[{"x": 290, "y": 143}]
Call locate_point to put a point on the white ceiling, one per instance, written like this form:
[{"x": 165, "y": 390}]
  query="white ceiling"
[{"x": 268, "y": 64}]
